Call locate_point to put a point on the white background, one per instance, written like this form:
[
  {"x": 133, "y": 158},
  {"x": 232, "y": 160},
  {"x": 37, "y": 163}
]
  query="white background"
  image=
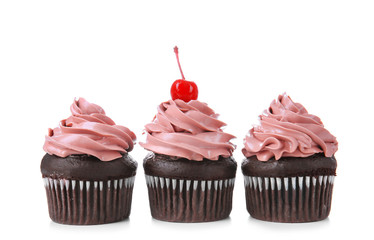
[{"x": 241, "y": 54}]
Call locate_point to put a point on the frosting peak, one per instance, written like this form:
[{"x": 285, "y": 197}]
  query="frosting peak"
[
  {"x": 188, "y": 130},
  {"x": 287, "y": 129},
  {"x": 89, "y": 131}
]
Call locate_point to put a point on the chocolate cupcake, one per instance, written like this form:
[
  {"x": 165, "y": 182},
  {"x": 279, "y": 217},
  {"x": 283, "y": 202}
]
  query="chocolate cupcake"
[
  {"x": 190, "y": 172},
  {"x": 290, "y": 165},
  {"x": 87, "y": 171}
]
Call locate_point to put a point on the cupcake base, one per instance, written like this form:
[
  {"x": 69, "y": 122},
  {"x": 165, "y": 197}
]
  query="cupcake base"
[
  {"x": 289, "y": 199},
  {"x": 88, "y": 202},
  {"x": 179, "y": 200}
]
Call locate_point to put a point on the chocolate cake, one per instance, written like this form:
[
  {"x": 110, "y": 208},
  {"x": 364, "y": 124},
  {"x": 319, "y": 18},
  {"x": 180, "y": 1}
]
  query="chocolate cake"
[
  {"x": 315, "y": 165},
  {"x": 181, "y": 190},
  {"x": 84, "y": 190},
  {"x": 87, "y": 168},
  {"x": 182, "y": 168},
  {"x": 291, "y": 189}
]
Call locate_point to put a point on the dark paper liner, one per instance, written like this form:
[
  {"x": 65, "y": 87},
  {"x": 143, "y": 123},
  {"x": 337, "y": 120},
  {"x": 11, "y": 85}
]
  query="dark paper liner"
[
  {"x": 289, "y": 199},
  {"x": 88, "y": 202},
  {"x": 178, "y": 200}
]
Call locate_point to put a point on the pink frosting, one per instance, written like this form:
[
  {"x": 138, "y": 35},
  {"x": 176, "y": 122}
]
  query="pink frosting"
[
  {"x": 188, "y": 130},
  {"x": 89, "y": 131},
  {"x": 287, "y": 129}
]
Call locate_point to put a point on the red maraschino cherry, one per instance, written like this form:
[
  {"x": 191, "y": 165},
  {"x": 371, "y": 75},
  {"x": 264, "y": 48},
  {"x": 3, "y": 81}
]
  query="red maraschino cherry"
[{"x": 181, "y": 88}]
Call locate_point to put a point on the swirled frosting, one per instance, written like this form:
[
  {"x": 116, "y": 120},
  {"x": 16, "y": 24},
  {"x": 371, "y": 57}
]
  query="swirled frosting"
[
  {"x": 287, "y": 129},
  {"x": 188, "y": 130},
  {"x": 89, "y": 131}
]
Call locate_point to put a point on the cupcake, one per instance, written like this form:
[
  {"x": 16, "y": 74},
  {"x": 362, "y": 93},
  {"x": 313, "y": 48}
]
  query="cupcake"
[
  {"x": 190, "y": 171},
  {"x": 87, "y": 171},
  {"x": 290, "y": 165}
]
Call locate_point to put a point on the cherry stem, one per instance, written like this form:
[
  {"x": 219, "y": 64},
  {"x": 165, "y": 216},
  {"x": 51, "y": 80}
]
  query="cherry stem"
[{"x": 180, "y": 68}]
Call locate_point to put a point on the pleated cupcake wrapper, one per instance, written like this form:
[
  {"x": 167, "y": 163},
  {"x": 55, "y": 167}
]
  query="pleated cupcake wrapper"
[
  {"x": 88, "y": 202},
  {"x": 289, "y": 199},
  {"x": 178, "y": 200}
]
